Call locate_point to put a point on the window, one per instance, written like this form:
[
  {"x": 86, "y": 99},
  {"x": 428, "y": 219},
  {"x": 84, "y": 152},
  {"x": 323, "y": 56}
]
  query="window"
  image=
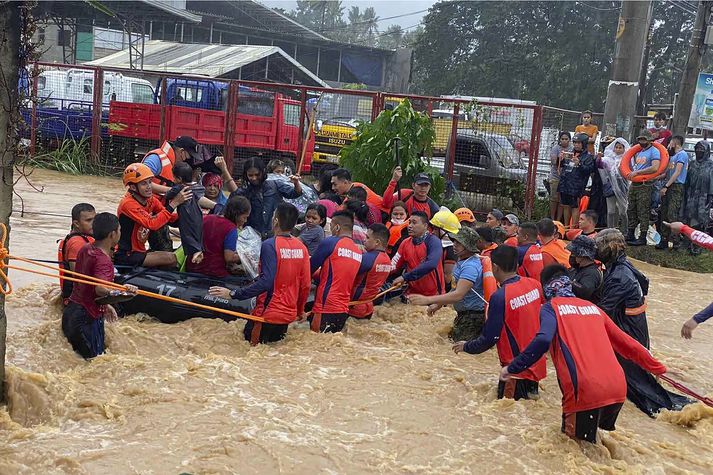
[
  {"x": 141, "y": 93},
  {"x": 64, "y": 37},
  {"x": 256, "y": 103},
  {"x": 87, "y": 86},
  {"x": 188, "y": 94},
  {"x": 292, "y": 114}
]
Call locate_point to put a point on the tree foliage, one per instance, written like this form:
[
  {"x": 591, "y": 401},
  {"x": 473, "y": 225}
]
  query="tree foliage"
[
  {"x": 371, "y": 156},
  {"x": 555, "y": 53}
]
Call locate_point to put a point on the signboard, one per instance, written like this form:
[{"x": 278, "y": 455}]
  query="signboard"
[{"x": 702, "y": 108}]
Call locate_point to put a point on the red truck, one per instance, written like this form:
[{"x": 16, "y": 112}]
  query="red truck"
[{"x": 266, "y": 123}]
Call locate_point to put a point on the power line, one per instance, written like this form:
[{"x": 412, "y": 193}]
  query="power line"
[{"x": 377, "y": 20}]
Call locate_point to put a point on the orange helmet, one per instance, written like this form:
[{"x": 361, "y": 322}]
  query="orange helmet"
[
  {"x": 464, "y": 214},
  {"x": 136, "y": 172},
  {"x": 559, "y": 227}
]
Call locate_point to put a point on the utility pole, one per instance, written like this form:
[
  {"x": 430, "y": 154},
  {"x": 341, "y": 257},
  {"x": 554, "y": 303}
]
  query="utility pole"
[
  {"x": 687, "y": 89},
  {"x": 623, "y": 91}
]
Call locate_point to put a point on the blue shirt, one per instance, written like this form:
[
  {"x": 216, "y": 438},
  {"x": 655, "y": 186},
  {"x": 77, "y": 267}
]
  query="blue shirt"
[
  {"x": 643, "y": 159},
  {"x": 154, "y": 163},
  {"x": 472, "y": 270},
  {"x": 680, "y": 157}
]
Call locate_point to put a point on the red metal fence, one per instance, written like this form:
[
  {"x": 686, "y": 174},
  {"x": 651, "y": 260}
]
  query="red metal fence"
[{"x": 488, "y": 150}]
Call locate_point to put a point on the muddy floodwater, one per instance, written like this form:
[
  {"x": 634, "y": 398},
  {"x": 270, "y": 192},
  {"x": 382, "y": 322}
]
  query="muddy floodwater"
[{"x": 388, "y": 396}]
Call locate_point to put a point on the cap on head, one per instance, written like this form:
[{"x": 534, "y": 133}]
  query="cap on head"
[
  {"x": 497, "y": 214},
  {"x": 422, "y": 179},
  {"x": 468, "y": 237},
  {"x": 512, "y": 219},
  {"x": 583, "y": 246},
  {"x": 645, "y": 134},
  {"x": 136, "y": 172},
  {"x": 188, "y": 144},
  {"x": 464, "y": 214}
]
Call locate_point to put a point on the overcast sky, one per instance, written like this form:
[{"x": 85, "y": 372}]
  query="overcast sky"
[{"x": 384, "y": 8}]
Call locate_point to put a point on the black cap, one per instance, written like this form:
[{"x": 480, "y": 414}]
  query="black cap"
[
  {"x": 188, "y": 144},
  {"x": 583, "y": 246},
  {"x": 422, "y": 178},
  {"x": 497, "y": 214}
]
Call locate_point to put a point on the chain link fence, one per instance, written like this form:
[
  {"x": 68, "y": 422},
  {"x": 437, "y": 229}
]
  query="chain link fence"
[{"x": 488, "y": 151}]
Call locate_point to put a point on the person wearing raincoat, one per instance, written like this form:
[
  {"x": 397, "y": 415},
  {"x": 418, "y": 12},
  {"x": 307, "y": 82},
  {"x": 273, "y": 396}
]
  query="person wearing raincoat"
[
  {"x": 616, "y": 187},
  {"x": 624, "y": 300},
  {"x": 698, "y": 191}
]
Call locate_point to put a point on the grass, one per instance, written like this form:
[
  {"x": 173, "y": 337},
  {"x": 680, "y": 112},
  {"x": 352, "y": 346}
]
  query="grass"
[
  {"x": 72, "y": 156},
  {"x": 680, "y": 259}
]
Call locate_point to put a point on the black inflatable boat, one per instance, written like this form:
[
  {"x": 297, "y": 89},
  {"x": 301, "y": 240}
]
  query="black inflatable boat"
[{"x": 184, "y": 286}]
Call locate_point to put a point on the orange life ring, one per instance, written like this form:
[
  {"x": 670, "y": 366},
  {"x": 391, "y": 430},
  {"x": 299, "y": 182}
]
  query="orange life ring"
[{"x": 625, "y": 165}]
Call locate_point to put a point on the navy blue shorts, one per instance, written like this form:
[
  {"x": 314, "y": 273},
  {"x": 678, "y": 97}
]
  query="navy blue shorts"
[{"x": 85, "y": 334}]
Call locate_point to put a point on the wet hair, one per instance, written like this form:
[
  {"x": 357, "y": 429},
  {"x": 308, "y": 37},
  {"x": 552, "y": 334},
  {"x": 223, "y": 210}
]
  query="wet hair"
[
  {"x": 679, "y": 139},
  {"x": 275, "y": 163},
  {"x": 183, "y": 171},
  {"x": 358, "y": 208},
  {"x": 420, "y": 214},
  {"x": 325, "y": 178},
  {"x": 592, "y": 215},
  {"x": 660, "y": 116},
  {"x": 321, "y": 212},
  {"x": 380, "y": 232},
  {"x": 103, "y": 225},
  {"x": 286, "y": 215},
  {"x": 332, "y": 197},
  {"x": 551, "y": 272},
  {"x": 400, "y": 204},
  {"x": 80, "y": 208},
  {"x": 342, "y": 174},
  {"x": 529, "y": 230},
  {"x": 505, "y": 257},
  {"x": 485, "y": 233},
  {"x": 236, "y": 207},
  {"x": 587, "y": 112},
  {"x": 564, "y": 133},
  {"x": 358, "y": 193},
  {"x": 343, "y": 218},
  {"x": 546, "y": 227},
  {"x": 258, "y": 164}
]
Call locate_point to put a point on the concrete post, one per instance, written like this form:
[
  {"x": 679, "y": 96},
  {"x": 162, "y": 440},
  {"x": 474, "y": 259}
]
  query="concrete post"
[{"x": 623, "y": 90}]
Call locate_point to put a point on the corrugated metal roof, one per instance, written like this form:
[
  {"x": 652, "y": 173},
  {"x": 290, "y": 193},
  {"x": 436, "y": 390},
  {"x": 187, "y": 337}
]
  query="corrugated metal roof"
[{"x": 204, "y": 59}]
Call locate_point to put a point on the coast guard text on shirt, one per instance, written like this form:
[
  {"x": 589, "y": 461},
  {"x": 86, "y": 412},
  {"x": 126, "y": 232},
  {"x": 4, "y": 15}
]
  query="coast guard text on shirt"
[
  {"x": 566, "y": 310},
  {"x": 287, "y": 253},
  {"x": 522, "y": 300},
  {"x": 344, "y": 252}
]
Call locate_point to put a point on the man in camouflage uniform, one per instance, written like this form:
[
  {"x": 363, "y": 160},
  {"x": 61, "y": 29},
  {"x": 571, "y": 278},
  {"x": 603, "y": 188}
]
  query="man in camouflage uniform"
[
  {"x": 672, "y": 190},
  {"x": 645, "y": 161}
]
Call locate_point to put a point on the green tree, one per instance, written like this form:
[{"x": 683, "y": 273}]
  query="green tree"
[
  {"x": 392, "y": 38},
  {"x": 371, "y": 156}
]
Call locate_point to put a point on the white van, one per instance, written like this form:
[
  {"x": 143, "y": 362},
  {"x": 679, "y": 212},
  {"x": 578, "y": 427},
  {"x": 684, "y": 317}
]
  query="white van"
[{"x": 74, "y": 89}]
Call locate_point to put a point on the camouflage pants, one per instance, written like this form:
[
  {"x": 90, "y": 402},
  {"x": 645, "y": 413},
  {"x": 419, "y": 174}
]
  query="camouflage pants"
[
  {"x": 639, "y": 210},
  {"x": 671, "y": 206},
  {"x": 467, "y": 325}
]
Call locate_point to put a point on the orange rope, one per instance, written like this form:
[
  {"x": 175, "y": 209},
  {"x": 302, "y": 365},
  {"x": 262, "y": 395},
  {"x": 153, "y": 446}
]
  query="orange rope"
[
  {"x": 89, "y": 280},
  {"x": 359, "y": 302}
]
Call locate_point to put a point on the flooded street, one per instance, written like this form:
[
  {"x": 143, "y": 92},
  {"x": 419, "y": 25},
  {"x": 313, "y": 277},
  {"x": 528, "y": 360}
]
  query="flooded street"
[{"x": 389, "y": 396}]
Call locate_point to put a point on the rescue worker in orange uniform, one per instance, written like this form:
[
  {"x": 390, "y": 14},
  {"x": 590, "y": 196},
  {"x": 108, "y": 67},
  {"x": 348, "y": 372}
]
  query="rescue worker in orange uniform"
[
  {"x": 582, "y": 341},
  {"x": 529, "y": 255},
  {"x": 140, "y": 212},
  {"x": 513, "y": 321},
  {"x": 552, "y": 248}
]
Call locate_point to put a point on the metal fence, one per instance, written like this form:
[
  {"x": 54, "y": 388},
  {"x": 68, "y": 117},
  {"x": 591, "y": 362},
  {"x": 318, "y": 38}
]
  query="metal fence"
[{"x": 487, "y": 150}]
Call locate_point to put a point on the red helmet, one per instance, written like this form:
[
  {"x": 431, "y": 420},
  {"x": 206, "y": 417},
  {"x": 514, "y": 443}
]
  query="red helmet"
[{"x": 136, "y": 172}]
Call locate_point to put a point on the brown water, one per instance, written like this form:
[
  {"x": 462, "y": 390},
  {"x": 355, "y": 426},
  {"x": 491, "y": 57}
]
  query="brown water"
[{"x": 387, "y": 397}]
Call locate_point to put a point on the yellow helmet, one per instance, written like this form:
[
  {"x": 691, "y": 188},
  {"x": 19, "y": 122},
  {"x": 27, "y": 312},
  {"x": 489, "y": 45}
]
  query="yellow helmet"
[{"x": 446, "y": 220}]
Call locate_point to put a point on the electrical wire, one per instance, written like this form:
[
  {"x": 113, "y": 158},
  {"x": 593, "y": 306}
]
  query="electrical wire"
[{"x": 365, "y": 22}]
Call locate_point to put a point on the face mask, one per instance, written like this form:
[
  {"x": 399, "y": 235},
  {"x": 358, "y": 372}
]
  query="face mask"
[
  {"x": 699, "y": 154},
  {"x": 397, "y": 222},
  {"x": 604, "y": 255},
  {"x": 573, "y": 261}
]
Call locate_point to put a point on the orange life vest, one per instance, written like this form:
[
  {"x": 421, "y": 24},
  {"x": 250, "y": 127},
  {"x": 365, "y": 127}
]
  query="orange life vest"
[
  {"x": 168, "y": 159},
  {"x": 65, "y": 285},
  {"x": 490, "y": 285}
]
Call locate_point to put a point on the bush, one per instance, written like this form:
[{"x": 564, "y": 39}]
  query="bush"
[
  {"x": 71, "y": 157},
  {"x": 371, "y": 158},
  {"x": 680, "y": 259}
]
